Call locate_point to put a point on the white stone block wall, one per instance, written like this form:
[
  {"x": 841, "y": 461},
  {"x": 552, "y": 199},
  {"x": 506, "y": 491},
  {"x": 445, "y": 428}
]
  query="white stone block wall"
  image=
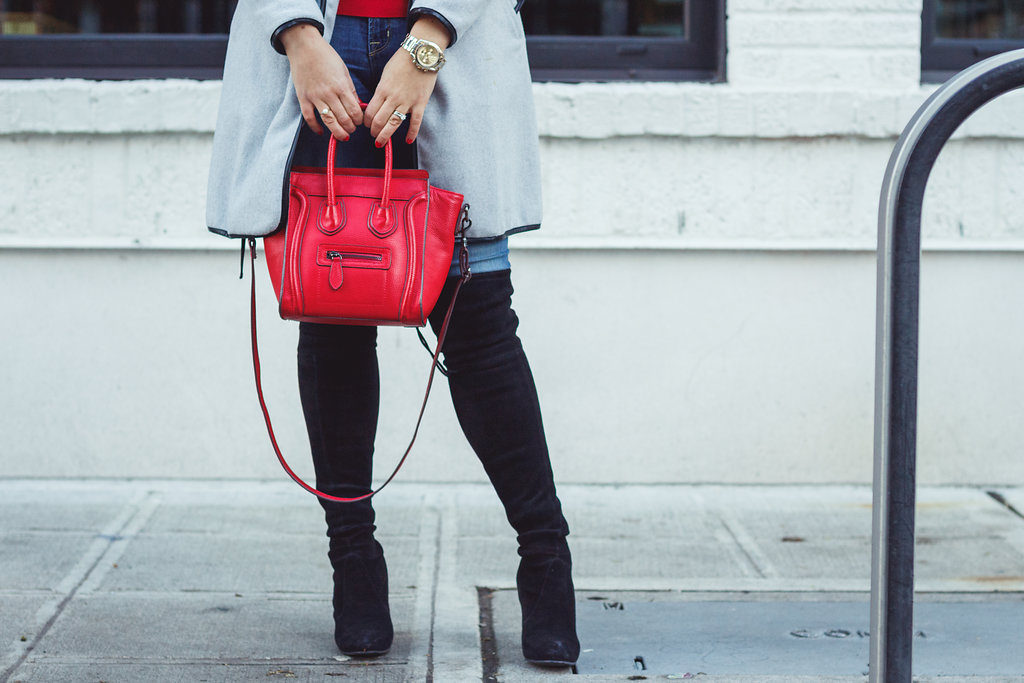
[{"x": 699, "y": 305}]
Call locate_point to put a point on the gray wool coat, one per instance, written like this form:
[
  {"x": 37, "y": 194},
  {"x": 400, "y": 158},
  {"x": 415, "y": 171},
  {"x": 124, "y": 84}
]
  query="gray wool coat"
[{"x": 478, "y": 137}]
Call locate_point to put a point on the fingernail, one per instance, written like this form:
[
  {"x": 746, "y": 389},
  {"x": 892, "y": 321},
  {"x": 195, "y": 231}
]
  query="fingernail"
[
  {"x": 377, "y": 143},
  {"x": 408, "y": 141}
]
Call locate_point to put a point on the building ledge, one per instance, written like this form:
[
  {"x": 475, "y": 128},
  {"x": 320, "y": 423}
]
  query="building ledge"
[{"x": 564, "y": 111}]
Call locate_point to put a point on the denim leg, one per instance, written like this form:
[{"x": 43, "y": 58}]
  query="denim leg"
[{"x": 496, "y": 403}]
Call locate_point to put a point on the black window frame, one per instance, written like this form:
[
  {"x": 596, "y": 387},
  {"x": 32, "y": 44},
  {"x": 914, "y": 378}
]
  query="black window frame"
[
  {"x": 696, "y": 57},
  {"x": 699, "y": 56},
  {"x": 114, "y": 56},
  {"x": 941, "y": 58}
]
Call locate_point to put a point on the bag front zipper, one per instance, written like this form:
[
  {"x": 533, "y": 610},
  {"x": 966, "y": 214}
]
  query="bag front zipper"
[
  {"x": 332, "y": 254},
  {"x": 336, "y": 277}
]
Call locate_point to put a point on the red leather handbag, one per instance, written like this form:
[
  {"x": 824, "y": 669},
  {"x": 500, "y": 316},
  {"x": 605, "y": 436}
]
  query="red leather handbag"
[
  {"x": 375, "y": 253},
  {"x": 362, "y": 247}
]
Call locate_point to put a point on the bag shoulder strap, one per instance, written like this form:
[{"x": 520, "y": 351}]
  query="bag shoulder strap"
[{"x": 463, "y": 279}]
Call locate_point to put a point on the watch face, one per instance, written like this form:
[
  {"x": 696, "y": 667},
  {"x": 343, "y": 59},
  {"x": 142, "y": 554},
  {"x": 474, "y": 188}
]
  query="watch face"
[{"x": 426, "y": 55}]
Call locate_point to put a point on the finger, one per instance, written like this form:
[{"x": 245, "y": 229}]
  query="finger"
[
  {"x": 381, "y": 116},
  {"x": 309, "y": 114},
  {"x": 341, "y": 114},
  {"x": 415, "y": 119},
  {"x": 349, "y": 97},
  {"x": 391, "y": 124},
  {"x": 331, "y": 121},
  {"x": 350, "y": 101},
  {"x": 372, "y": 109}
]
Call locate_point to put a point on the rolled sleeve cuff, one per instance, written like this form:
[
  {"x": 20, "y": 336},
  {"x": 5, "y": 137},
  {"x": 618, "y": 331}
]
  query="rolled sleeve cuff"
[
  {"x": 416, "y": 12},
  {"x": 275, "y": 38}
]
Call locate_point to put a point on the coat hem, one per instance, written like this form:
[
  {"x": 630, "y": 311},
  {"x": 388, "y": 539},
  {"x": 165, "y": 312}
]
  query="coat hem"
[
  {"x": 275, "y": 37},
  {"x": 507, "y": 233}
]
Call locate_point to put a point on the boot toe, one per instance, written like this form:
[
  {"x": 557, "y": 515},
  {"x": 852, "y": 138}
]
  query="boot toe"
[
  {"x": 552, "y": 651},
  {"x": 366, "y": 641}
]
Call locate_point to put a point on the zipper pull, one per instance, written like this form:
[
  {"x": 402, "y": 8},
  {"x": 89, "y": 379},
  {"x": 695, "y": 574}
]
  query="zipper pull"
[{"x": 337, "y": 275}]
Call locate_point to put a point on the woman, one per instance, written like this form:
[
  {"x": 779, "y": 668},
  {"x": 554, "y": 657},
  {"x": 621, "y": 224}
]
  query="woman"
[{"x": 467, "y": 59}]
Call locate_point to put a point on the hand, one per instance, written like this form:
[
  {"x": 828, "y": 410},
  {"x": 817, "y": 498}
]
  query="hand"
[
  {"x": 404, "y": 88},
  {"x": 321, "y": 81}
]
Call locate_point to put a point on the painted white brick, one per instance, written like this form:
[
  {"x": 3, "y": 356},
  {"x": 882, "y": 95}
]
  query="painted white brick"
[
  {"x": 1001, "y": 118},
  {"x": 787, "y": 189},
  {"x": 590, "y": 111},
  {"x": 775, "y": 6},
  {"x": 829, "y": 68},
  {"x": 79, "y": 106},
  {"x": 137, "y": 187},
  {"x": 847, "y": 30},
  {"x": 822, "y": 27},
  {"x": 975, "y": 192},
  {"x": 735, "y": 113},
  {"x": 694, "y": 110},
  {"x": 794, "y": 179}
]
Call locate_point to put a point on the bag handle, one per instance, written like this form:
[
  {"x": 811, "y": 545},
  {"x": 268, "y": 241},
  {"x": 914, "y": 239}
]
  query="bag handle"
[
  {"x": 388, "y": 168},
  {"x": 465, "y": 277}
]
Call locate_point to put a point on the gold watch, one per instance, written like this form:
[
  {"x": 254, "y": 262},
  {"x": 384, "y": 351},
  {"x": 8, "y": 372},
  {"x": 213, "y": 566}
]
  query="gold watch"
[{"x": 426, "y": 55}]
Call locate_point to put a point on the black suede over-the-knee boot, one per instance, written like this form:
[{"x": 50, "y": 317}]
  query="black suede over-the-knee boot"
[
  {"x": 339, "y": 385},
  {"x": 496, "y": 403}
]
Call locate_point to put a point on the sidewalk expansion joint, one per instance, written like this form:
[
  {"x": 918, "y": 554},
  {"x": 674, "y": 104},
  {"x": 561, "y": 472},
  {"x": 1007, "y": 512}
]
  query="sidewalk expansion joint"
[
  {"x": 433, "y": 604},
  {"x": 747, "y": 546},
  {"x": 488, "y": 641},
  {"x": 123, "y": 527},
  {"x": 421, "y": 654}
]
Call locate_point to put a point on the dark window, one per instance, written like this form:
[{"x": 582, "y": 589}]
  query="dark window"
[
  {"x": 958, "y": 33},
  {"x": 113, "y": 38},
  {"x": 569, "y": 40},
  {"x": 37, "y": 17},
  {"x": 586, "y": 40}
]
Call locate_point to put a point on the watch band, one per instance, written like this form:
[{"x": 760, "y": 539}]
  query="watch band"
[{"x": 413, "y": 46}]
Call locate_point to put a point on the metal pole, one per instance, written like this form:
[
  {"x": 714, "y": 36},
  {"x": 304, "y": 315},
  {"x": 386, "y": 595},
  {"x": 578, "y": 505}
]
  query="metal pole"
[{"x": 899, "y": 261}]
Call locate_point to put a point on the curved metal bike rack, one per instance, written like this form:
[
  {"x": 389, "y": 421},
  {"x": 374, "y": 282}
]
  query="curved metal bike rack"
[{"x": 899, "y": 266}]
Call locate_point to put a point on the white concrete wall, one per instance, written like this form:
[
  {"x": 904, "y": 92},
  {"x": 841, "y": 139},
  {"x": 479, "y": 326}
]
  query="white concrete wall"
[{"x": 699, "y": 305}]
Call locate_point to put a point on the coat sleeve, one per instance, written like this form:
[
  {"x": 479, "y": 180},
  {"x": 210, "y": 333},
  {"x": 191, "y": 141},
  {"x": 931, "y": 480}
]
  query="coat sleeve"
[
  {"x": 456, "y": 16},
  {"x": 275, "y": 16}
]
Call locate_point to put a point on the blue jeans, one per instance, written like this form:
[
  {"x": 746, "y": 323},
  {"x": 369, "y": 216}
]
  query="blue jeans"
[{"x": 366, "y": 45}]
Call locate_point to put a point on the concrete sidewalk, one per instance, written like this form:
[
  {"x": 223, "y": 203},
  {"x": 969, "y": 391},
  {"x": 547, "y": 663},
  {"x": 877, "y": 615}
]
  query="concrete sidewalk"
[{"x": 229, "y": 581}]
